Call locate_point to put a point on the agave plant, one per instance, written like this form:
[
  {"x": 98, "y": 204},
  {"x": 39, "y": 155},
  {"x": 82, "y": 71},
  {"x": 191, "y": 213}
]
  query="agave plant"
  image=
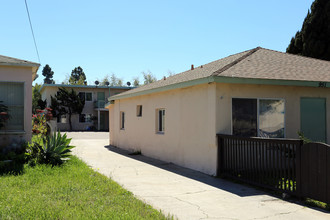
[
  {"x": 51, "y": 150},
  {"x": 56, "y": 149}
]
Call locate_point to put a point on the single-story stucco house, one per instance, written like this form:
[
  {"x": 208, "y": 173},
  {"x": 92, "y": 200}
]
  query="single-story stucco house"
[
  {"x": 258, "y": 92},
  {"x": 95, "y": 99},
  {"x": 16, "y": 77}
]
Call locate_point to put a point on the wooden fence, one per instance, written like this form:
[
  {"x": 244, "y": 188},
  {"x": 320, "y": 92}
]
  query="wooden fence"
[{"x": 285, "y": 165}]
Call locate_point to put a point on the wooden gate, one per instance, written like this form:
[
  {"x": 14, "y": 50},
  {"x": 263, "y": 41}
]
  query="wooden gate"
[
  {"x": 315, "y": 171},
  {"x": 280, "y": 164}
]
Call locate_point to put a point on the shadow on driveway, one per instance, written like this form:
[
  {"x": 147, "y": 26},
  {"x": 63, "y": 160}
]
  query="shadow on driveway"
[{"x": 237, "y": 189}]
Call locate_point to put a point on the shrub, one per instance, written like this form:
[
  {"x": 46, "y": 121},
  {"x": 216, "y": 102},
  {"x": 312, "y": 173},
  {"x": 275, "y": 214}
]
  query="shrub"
[
  {"x": 53, "y": 150},
  {"x": 39, "y": 122},
  {"x": 303, "y": 137},
  {"x": 12, "y": 158}
]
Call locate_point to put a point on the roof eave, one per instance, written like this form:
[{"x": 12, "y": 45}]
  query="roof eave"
[
  {"x": 85, "y": 86},
  {"x": 35, "y": 67},
  {"x": 225, "y": 79},
  {"x": 279, "y": 82},
  {"x": 163, "y": 88}
]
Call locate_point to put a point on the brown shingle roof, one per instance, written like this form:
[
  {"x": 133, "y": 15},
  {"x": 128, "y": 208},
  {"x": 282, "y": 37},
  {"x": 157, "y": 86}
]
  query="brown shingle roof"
[
  {"x": 258, "y": 63},
  {"x": 269, "y": 64},
  {"x": 4, "y": 60}
]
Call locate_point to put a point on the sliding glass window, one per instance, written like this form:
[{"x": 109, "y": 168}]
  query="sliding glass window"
[{"x": 258, "y": 117}]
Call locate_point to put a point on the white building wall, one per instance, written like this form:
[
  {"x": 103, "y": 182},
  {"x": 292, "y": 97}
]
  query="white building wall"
[{"x": 189, "y": 139}]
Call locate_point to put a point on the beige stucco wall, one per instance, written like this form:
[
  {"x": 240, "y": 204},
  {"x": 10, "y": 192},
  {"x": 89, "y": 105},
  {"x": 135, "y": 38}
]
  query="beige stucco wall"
[
  {"x": 190, "y": 136},
  {"x": 194, "y": 116},
  {"x": 23, "y": 75},
  {"x": 48, "y": 91},
  {"x": 291, "y": 95}
]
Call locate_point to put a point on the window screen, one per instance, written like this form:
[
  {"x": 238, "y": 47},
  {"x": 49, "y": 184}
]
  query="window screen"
[{"x": 12, "y": 95}]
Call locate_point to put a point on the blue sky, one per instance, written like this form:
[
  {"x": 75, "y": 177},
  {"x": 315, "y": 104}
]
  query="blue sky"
[{"x": 128, "y": 37}]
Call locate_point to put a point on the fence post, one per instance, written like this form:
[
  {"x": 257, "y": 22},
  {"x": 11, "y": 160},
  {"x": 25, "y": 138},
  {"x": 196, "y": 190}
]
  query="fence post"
[
  {"x": 298, "y": 169},
  {"x": 220, "y": 155}
]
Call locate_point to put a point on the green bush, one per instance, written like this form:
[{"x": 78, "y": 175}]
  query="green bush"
[
  {"x": 53, "y": 150},
  {"x": 12, "y": 158}
]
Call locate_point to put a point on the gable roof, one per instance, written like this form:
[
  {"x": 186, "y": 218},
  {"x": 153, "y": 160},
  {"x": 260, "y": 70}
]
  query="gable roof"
[
  {"x": 10, "y": 61},
  {"x": 256, "y": 66}
]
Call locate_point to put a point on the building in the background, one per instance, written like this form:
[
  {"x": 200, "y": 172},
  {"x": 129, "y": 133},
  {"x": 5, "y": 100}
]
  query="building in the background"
[
  {"x": 16, "y": 78},
  {"x": 94, "y": 116}
]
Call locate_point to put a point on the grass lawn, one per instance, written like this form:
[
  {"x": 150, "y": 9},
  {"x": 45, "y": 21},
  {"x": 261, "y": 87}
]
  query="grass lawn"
[{"x": 72, "y": 191}]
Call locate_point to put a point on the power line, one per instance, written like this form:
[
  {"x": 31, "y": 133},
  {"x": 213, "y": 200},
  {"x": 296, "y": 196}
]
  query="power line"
[{"x": 34, "y": 39}]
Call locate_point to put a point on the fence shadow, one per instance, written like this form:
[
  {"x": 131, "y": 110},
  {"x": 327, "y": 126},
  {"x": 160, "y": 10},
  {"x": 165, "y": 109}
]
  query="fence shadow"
[{"x": 237, "y": 189}]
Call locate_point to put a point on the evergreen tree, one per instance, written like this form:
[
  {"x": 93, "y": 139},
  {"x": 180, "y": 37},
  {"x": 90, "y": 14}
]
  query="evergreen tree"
[
  {"x": 313, "y": 40},
  {"x": 37, "y": 102},
  {"x": 48, "y": 74},
  {"x": 78, "y": 77},
  {"x": 67, "y": 102}
]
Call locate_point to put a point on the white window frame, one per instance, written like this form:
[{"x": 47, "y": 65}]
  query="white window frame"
[
  {"x": 258, "y": 99},
  {"x": 160, "y": 120}
]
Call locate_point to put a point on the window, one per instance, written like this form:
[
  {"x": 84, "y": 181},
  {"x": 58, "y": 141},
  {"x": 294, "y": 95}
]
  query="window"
[
  {"x": 122, "y": 120},
  {"x": 258, "y": 117},
  {"x": 61, "y": 119},
  {"x": 87, "y": 96},
  {"x": 160, "y": 125},
  {"x": 139, "y": 110},
  {"x": 85, "y": 118},
  {"x": 12, "y": 95},
  {"x": 81, "y": 95}
]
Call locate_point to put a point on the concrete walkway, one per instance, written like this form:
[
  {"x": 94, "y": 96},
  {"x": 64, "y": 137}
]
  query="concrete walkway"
[{"x": 183, "y": 193}]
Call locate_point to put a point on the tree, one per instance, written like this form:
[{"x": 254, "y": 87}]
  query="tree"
[
  {"x": 313, "y": 40},
  {"x": 113, "y": 80},
  {"x": 48, "y": 74},
  {"x": 148, "y": 77},
  {"x": 37, "y": 102},
  {"x": 67, "y": 102},
  {"x": 78, "y": 77},
  {"x": 136, "y": 82}
]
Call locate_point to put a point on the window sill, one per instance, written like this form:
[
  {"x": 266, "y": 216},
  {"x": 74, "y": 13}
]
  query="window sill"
[
  {"x": 12, "y": 132},
  {"x": 160, "y": 132}
]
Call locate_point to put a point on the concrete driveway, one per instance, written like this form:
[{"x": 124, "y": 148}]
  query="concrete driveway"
[{"x": 181, "y": 192}]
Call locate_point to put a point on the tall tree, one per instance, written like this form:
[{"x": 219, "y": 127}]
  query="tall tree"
[
  {"x": 148, "y": 77},
  {"x": 67, "y": 102},
  {"x": 48, "y": 74},
  {"x": 37, "y": 102},
  {"x": 78, "y": 77},
  {"x": 313, "y": 40}
]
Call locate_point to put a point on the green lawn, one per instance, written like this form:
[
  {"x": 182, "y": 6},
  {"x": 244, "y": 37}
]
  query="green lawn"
[{"x": 72, "y": 191}]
